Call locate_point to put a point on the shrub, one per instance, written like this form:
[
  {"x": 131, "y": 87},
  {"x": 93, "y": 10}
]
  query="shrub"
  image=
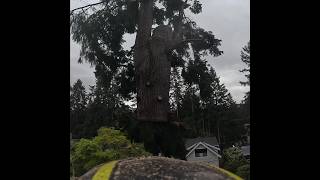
[
  {"x": 110, "y": 144},
  {"x": 133, "y": 150},
  {"x": 244, "y": 171},
  {"x": 84, "y": 156},
  {"x": 111, "y": 139},
  {"x": 234, "y": 161}
]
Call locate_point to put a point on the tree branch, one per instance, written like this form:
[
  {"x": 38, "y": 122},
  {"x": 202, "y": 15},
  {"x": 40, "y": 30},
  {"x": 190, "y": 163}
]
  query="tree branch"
[
  {"x": 190, "y": 40},
  {"x": 183, "y": 42},
  {"x": 90, "y": 5},
  {"x": 177, "y": 34}
]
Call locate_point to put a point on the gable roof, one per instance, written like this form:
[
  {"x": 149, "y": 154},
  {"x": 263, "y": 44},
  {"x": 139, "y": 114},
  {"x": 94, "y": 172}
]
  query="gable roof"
[
  {"x": 209, "y": 140},
  {"x": 213, "y": 147},
  {"x": 203, "y": 144}
]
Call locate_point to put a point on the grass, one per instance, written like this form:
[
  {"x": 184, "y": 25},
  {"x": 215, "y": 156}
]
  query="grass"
[{"x": 104, "y": 171}]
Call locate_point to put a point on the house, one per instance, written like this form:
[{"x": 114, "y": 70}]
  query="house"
[
  {"x": 247, "y": 128},
  {"x": 245, "y": 148},
  {"x": 203, "y": 149},
  {"x": 246, "y": 151}
]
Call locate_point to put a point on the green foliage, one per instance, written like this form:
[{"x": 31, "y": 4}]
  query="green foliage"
[
  {"x": 196, "y": 8},
  {"x": 111, "y": 139},
  {"x": 233, "y": 161},
  {"x": 78, "y": 97},
  {"x": 103, "y": 107},
  {"x": 83, "y": 156},
  {"x": 207, "y": 106},
  {"x": 110, "y": 144},
  {"x": 244, "y": 171},
  {"x": 78, "y": 103}
]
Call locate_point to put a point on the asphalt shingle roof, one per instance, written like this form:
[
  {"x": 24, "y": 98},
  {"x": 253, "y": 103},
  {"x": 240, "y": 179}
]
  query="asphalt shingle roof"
[{"x": 209, "y": 140}]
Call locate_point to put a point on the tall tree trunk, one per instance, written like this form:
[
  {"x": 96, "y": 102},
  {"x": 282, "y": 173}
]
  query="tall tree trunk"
[
  {"x": 152, "y": 67},
  {"x": 142, "y": 53},
  {"x": 156, "y": 85}
]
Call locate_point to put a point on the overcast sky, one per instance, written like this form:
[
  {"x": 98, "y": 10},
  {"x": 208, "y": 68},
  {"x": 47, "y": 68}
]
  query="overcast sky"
[{"x": 229, "y": 20}]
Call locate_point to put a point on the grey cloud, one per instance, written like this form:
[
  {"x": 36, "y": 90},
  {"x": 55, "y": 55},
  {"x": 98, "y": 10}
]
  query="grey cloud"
[{"x": 229, "y": 20}]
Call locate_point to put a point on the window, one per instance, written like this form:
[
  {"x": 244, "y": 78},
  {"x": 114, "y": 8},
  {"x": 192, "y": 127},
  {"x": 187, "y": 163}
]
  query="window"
[{"x": 200, "y": 152}]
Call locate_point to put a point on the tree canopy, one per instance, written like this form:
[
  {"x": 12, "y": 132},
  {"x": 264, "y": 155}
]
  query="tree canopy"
[{"x": 100, "y": 32}]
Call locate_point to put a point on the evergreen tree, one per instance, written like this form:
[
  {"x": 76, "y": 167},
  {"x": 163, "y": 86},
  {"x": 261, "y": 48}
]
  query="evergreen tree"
[
  {"x": 146, "y": 67},
  {"x": 78, "y": 96},
  {"x": 208, "y": 107},
  {"x": 101, "y": 36},
  {"x": 78, "y": 105},
  {"x": 245, "y": 57}
]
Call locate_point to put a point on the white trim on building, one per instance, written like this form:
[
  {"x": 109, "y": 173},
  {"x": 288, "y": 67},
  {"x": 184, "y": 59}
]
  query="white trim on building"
[{"x": 210, "y": 148}]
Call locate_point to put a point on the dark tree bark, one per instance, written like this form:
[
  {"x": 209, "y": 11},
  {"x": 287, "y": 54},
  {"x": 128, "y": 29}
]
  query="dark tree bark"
[
  {"x": 153, "y": 94},
  {"x": 141, "y": 52},
  {"x": 152, "y": 66}
]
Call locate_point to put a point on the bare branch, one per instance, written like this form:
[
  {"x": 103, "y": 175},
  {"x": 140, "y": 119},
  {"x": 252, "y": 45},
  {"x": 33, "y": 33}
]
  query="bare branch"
[{"x": 90, "y": 5}]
